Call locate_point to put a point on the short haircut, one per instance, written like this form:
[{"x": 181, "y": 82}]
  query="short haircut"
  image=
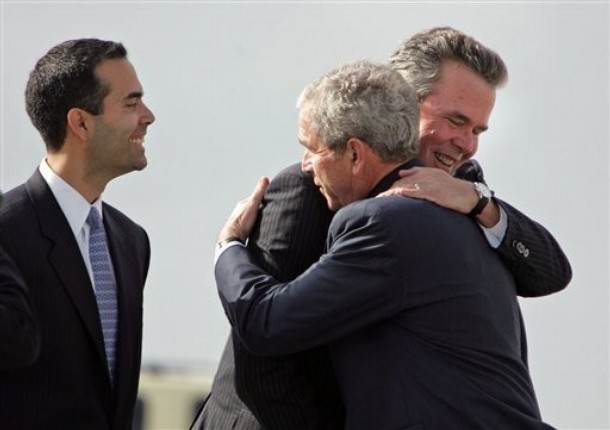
[
  {"x": 368, "y": 101},
  {"x": 419, "y": 58},
  {"x": 64, "y": 78}
]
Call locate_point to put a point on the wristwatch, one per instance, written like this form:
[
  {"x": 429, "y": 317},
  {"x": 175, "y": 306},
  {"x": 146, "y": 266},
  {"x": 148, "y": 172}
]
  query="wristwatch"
[{"x": 485, "y": 194}]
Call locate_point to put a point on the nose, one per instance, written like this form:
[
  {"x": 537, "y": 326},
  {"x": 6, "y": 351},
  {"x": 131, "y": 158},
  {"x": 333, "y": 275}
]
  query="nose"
[
  {"x": 468, "y": 143},
  {"x": 147, "y": 117},
  {"x": 306, "y": 162}
]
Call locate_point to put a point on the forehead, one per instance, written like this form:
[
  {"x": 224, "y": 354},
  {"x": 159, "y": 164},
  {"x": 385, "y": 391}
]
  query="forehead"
[
  {"x": 120, "y": 76},
  {"x": 305, "y": 129},
  {"x": 459, "y": 88},
  {"x": 309, "y": 137}
]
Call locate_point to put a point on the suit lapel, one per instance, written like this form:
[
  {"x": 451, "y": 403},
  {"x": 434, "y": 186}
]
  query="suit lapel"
[
  {"x": 123, "y": 263},
  {"x": 65, "y": 257}
]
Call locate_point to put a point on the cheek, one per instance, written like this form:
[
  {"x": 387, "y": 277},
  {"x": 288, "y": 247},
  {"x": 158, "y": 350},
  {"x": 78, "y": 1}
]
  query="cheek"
[
  {"x": 435, "y": 135},
  {"x": 427, "y": 141},
  {"x": 321, "y": 163},
  {"x": 318, "y": 167}
]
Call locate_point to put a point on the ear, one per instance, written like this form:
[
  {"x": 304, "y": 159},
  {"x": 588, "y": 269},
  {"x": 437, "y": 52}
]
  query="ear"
[
  {"x": 80, "y": 123},
  {"x": 356, "y": 149}
]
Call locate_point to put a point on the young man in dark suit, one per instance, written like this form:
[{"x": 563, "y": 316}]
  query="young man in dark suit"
[
  {"x": 84, "y": 262},
  {"x": 528, "y": 249},
  {"x": 418, "y": 312}
]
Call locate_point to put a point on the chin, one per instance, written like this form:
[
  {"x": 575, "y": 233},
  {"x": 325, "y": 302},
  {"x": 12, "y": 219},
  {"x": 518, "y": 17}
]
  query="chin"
[
  {"x": 332, "y": 205},
  {"x": 140, "y": 164}
]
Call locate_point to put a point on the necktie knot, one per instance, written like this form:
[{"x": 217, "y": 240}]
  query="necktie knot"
[{"x": 94, "y": 219}]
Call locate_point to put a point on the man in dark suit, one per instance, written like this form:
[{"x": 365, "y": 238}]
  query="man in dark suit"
[
  {"x": 455, "y": 78},
  {"x": 19, "y": 335},
  {"x": 419, "y": 313},
  {"x": 85, "y": 99},
  {"x": 539, "y": 265}
]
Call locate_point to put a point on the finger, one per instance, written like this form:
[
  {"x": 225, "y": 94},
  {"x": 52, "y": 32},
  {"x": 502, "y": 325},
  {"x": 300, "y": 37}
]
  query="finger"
[
  {"x": 252, "y": 203},
  {"x": 242, "y": 218},
  {"x": 408, "y": 172},
  {"x": 390, "y": 192},
  {"x": 259, "y": 190},
  {"x": 400, "y": 191}
]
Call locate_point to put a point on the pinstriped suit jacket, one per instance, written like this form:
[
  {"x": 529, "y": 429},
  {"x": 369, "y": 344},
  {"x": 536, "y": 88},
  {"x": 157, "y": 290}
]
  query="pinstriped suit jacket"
[
  {"x": 288, "y": 238},
  {"x": 530, "y": 252},
  {"x": 534, "y": 257}
]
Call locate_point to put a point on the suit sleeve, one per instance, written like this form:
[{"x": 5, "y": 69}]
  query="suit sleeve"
[
  {"x": 19, "y": 336},
  {"x": 337, "y": 295},
  {"x": 532, "y": 254}
]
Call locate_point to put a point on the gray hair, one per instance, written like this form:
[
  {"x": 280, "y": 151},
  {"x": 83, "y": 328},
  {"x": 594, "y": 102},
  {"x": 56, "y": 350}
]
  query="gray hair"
[
  {"x": 419, "y": 58},
  {"x": 368, "y": 101}
]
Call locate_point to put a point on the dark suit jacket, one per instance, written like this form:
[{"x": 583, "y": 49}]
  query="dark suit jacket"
[
  {"x": 19, "y": 336},
  {"x": 68, "y": 387},
  {"x": 531, "y": 253},
  {"x": 420, "y": 314},
  {"x": 288, "y": 238}
]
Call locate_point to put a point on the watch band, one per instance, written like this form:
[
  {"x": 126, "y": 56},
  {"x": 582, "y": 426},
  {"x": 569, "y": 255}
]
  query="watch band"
[
  {"x": 485, "y": 194},
  {"x": 483, "y": 201}
]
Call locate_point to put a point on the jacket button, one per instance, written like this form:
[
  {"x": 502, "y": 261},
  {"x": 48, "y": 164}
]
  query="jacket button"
[{"x": 521, "y": 248}]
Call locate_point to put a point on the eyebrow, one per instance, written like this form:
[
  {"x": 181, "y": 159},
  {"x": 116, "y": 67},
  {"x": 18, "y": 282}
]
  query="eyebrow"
[{"x": 134, "y": 95}]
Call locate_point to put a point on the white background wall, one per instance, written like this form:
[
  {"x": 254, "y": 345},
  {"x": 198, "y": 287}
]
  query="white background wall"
[{"x": 222, "y": 80}]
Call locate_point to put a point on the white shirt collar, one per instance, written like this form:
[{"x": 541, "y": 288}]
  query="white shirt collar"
[{"x": 72, "y": 203}]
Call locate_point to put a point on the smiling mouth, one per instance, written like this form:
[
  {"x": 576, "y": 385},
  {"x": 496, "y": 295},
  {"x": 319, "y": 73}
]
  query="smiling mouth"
[
  {"x": 445, "y": 160},
  {"x": 137, "y": 140}
]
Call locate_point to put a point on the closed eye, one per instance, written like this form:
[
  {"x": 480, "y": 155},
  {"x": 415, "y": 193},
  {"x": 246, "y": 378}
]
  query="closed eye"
[{"x": 458, "y": 122}]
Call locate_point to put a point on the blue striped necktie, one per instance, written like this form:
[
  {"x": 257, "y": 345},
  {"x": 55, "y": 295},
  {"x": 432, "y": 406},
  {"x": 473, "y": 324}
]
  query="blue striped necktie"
[{"x": 105, "y": 288}]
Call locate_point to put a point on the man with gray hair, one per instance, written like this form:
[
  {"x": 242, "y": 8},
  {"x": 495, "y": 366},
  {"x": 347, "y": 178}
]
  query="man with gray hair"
[
  {"x": 296, "y": 391},
  {"x": 418, "y": 311}
]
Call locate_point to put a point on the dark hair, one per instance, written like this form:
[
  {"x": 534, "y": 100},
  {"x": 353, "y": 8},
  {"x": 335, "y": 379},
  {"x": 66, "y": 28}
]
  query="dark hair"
[
  {"x": 420, "y": 58},
  {"x": 64, "y": 79}
]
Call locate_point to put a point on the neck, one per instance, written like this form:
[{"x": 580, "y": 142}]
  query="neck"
[
  {"x": 389, "y": 175},
  {"x": 75, "y": 172}
]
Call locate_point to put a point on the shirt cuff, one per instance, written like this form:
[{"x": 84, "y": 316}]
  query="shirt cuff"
[
  {"x": 496, "y": 234},
  {"x": 220, "y": 248}
]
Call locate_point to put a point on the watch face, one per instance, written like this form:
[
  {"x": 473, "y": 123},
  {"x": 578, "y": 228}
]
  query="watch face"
[{"x": 483, "y": 190}]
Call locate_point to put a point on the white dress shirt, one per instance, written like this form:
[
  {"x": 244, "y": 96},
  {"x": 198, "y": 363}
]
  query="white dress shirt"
[
  {"x": 496, "y": 233},
  {"x": 75, "y": 208}
]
